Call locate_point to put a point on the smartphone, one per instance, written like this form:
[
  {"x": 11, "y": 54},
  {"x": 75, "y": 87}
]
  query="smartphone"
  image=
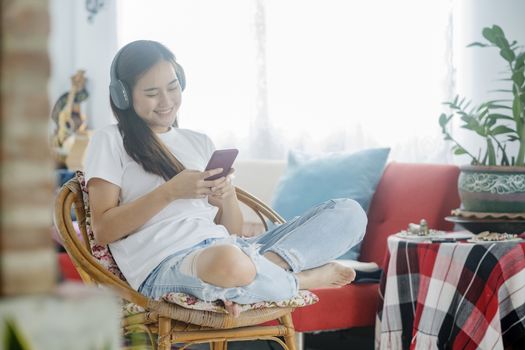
[{"x": 222, "y": 158}]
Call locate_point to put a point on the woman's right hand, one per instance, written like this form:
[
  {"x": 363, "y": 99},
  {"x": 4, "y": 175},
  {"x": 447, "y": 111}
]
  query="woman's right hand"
[{"x": 192, "y": 184}]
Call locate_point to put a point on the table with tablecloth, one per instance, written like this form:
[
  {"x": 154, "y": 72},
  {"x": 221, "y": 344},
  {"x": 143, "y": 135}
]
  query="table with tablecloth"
[{"x": 451, "y": 295}]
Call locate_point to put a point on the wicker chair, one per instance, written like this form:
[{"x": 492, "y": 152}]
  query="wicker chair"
[{"x": 171, "y": 323}]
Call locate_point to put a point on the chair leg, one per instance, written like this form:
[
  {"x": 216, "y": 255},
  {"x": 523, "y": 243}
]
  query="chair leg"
[
  {"x": 164, "y": 333},
  {"x": 219, "y": 345},
  {"x": 289, "y": 338},
  {"x": 299, "y": 340}
]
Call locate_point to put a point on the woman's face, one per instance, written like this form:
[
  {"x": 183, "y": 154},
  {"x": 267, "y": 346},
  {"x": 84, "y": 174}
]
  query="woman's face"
[{"x": 157, "y": 96}]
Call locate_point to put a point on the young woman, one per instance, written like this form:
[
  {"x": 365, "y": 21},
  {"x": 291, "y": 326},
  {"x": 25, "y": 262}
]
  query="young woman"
[{"x": 170, "y": 229}]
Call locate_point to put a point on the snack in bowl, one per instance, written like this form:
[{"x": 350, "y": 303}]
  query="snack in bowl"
[{"x": 487, "y": 236}]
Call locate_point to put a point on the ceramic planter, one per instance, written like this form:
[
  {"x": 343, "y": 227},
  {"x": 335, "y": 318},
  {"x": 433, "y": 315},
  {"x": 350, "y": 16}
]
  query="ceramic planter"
[{"x": 497, "y": 189}]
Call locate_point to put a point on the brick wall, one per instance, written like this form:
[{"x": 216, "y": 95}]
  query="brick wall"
[{"x": 27, "y": 256}]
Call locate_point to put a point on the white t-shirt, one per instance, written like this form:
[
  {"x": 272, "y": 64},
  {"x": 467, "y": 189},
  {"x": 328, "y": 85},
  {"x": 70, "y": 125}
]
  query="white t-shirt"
[{"x": 181, "y": 224}]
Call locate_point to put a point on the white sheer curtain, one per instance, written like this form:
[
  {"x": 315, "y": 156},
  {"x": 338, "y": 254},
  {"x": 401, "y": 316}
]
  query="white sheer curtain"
[{"x": 268, "y": 76}]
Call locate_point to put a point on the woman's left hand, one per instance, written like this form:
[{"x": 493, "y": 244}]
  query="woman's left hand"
[{"x": 224, "y": 189}]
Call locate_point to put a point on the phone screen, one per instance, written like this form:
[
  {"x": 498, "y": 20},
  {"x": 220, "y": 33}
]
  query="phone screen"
[{"x": 224, "y": 159}]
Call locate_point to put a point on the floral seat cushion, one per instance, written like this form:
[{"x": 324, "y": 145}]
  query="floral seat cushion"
[
  {"x": 103, "y": 255},
  {"x": 303, "y": 298}
]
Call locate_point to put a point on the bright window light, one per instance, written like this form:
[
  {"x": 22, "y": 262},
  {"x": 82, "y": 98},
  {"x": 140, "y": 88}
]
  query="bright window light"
[{"x": 340, "y": 75}]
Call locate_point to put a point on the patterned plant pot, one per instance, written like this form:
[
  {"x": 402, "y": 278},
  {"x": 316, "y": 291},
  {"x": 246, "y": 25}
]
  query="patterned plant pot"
[{"x": 496, "y": 189}]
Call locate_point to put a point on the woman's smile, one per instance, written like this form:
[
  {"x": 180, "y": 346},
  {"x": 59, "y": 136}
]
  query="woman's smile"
[{"x": 164, "y": 111}]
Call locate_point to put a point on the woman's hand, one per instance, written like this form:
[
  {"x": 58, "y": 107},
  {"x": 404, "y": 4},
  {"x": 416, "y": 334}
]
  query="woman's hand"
[
  {"x": 192, "y": 184},
  {"x": 224, "y": 189},
  {"x": 223, "y": 196}
]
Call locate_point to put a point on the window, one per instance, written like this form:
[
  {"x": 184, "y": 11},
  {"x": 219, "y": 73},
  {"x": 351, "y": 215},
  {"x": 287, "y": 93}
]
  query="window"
[{"x": 317, "y": 75}]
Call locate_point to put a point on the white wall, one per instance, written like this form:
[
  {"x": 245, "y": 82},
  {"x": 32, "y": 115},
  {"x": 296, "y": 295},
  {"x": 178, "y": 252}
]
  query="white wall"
[
  {"x": 75, "y": 43},
  {"x": 477, "y": 70}
]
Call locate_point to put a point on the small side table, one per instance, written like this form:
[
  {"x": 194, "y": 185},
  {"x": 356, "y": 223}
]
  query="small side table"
[{"x": 451, "y": 295}]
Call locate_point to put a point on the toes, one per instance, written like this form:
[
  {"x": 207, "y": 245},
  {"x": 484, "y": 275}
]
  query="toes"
[
  {"x": 232, "y": 308},
  {"x": 236, "y": 310}
]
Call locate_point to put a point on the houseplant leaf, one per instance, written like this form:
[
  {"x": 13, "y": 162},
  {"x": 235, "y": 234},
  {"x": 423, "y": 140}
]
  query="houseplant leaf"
[
  {"x": 497, "y": 116},
  {"x": 477, "y": 44},
  {"x": 495, "y": 121},
  {"x": 489, "y": 34},
  {"x": 507, "y": 54},
  {"x": 501, "y": 129},
  {"x": 491, "y": 152},
  {"x": 518, "y": 78}
]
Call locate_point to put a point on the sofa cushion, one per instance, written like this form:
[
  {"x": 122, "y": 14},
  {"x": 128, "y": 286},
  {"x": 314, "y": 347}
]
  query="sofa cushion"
[{"x": 311, "y": 180}]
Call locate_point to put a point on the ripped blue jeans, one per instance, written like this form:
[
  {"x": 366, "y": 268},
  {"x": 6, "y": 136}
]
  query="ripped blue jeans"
[{"x": 322, "y": 234}]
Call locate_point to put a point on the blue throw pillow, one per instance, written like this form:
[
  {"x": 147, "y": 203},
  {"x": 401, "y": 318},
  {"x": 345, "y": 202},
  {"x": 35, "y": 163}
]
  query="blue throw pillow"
[{"x": 309, "y": 181}]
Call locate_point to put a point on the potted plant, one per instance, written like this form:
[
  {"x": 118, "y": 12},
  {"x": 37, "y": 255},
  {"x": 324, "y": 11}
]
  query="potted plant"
[{"x": 495, "y": 180}]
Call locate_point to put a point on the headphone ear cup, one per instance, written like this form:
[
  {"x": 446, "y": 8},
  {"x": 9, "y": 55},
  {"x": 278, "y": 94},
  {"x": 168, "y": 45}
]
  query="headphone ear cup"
[
  {"x": 181, "y": 76},
  {"x": 119, "y": 94}
]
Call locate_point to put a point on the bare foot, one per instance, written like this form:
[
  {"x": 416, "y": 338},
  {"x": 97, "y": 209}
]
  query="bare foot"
[
  {"x": 232, "y": 308},
  {"x": 331, "y": 275}
]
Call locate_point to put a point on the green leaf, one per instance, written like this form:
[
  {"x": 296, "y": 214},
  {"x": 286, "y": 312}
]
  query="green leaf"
[
  {"x": 497, "y": 30},
  {"x": 495, "y": 106},
  {"x": 504, "y": 157},
  {"x": 468, "y": 119},
  {"x": 520, "y": 61},
  {"x": 491, "y": 152},
  {"x": 491, "y": 102},
  {"x": 483, "y": 114},
  {"x": 459, "y": 150},
  {"x": 516, "y": 108},
  {"x": 499, "y": 37},
  {"x": 443, "y": 120},
  {"x": 501, "y": 129},
  {"x": 512, "y": 138},
  {"x": 518, "y": 78},
  {"x": 477, "y": 44},
  {"x": 502, "y": 43},
  {"x": 489, "y": 34},
  {"x": 13, "y": 337},
  {"x": 497, "y": 116},
  {"x": 507, "y": 54}
]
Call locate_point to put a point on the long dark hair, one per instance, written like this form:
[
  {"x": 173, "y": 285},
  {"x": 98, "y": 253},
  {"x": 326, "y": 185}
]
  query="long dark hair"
[{"x": 140, "y": 142}]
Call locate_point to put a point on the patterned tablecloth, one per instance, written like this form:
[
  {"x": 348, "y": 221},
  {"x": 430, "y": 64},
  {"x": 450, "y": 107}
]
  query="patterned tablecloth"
[{"x": 451, "y": 295}]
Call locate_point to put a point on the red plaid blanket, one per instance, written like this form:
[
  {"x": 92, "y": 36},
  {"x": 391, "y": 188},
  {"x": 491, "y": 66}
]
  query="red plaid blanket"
[{"x": 451, "y": 295}]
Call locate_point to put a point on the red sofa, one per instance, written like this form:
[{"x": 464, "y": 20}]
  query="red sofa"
[{"x": 406, "y": 193}]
